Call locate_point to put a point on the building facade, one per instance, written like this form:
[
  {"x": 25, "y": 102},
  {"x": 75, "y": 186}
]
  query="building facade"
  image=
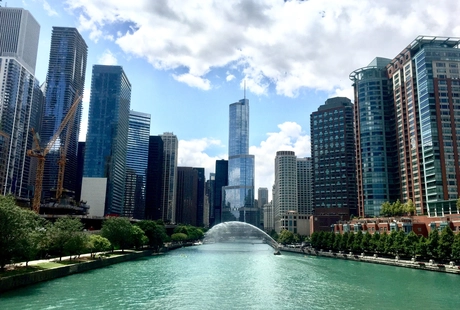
[
  {"x": 221, "y": 180},
  {"x": 187, "y": 196},
  {"x": 107, "y": 135},
  {"x": 137, "y": 153},
  {"x": 153, "y": 207},
  {"x": 285, "y": 189},
  {"x": 65, "y": 81},
  {"x": 333, "y": 156},
  {"x": 305, "y": 185},
  {"x": 168, "y": 188},
  {"x": 21, "y": 100},
  {"x": 238, "y": 195}
]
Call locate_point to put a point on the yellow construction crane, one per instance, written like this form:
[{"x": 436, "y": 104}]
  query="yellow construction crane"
[{"x": 40, "y": 154}]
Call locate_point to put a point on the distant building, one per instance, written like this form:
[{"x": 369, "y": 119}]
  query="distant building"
[
  {"x": 137, "y": 153},
  {"x": 305, "y": 185},
  {"x": 238, "y": 199},
  {"x": 64, "y": 82},
  {"x": 221, "y": 180},
  {"x": 168, "y": 195},
  {"x": 153, "y": 206},
  {"x": 187, "y": 196},
  {"x": 21, "y": 100},
  {"x": 262, "y": 200},
  {"x": 107, "y": 135},
  {"x": 285, "y": 192},
  {"x": 200, "y": 196}
]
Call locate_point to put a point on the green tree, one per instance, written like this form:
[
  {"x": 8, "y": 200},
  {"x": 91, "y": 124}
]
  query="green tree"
[
  {"x": 66, "y": 236},
  {"x": 357, "y": 242},
  {"x": 97, "y": 243},
  {"x": 389, "y": 242},
  {"x": 156, "y": 233},
  {"x": 375, "y": 241},
  {"x": 456, "y": 248},
  {"x": 315, "y": 242},
  {"x": 119, "y": 232},
  {"x": 422, "y": 247},
  {"x": 336, "y": 246},
  {"x": 179, "y": 237},
  {"x": 139, "y": 237},
  {"x": 286, "y": 237},
  {"x": 366, "y": 242},
  {"x": 385, "y": 209},
  {"x": 410, "y": 243},
  {"x": 446, "y": 240},
  {"x": 398, "y": 244},
  {"x": 432, "y": 244},
  {"x": 344, "y": 242},
  {"x": 409, "y": 207},
  {"x": 382, "y": 243},
  {"x": 350, "y": 242}
]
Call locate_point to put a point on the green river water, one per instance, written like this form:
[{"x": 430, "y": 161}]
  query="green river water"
[{"x": 241, "y": 276}]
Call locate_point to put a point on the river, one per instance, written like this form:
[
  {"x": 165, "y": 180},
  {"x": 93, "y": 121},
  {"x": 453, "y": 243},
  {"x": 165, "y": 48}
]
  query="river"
[{"x": 241, "y": 276}]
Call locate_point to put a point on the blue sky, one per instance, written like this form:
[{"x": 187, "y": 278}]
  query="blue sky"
[{"x": 187, "y": 60}]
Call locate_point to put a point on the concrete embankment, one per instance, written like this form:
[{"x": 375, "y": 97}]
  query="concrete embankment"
[
  {"x": 430, "y": 266},
  {"x": 21, "y": 280}
]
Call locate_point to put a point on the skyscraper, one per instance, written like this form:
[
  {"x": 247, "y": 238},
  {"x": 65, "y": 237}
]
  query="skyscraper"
[
  {"x": 221, "y": 180},
  {"x": 20, "y": 99},
  {"x": 262, "y": 200},
  {"x": 285, "y": 193},
  {"x": 153, "y": 206},
  {"x": 137, "y": 153},
  {"x": 305, "y": 185},
  {"x": 238, "y": 200},
  {"x": 200, "y": 196},
  {"x": 187, "y": 196},
  {"x": 333, "y": 156},
  {"x": 64, "y": 82},
  {"x": 107, "y": 135},
  {"x": 168, "y": 195}
]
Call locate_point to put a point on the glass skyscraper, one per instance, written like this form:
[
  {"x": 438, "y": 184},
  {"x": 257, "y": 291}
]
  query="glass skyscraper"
[
  {"x": 168, "y": 187},
  {"x": 137, "y": 154},
  {"x": 64, "y": 82},
  {"x": 20, "y": 100},
  {"x": 238, "y": 200},
  {"x": 107, "y": 136}
]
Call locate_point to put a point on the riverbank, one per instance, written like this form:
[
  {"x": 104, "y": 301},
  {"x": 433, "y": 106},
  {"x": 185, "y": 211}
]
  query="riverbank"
[
  {"x": 57, "y": 269},
  {"x": 429, "y": 266}
]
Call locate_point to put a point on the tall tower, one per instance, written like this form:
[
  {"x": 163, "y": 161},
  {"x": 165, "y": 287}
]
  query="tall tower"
[
  {"x": 187, "y": 196},
  {"x": 64, "y": 82},
  {"x": 425, "y": 81},
  {"x": 238, "y": 200},
  {"x": 154, "y": 184},
  {"x": 107, "y": 135},
  {"x": 221, "y": 180},
  {"x": 20, "y": 99},
  {"x": 285, "y": 199},
  {"x": 168, "y": 195},
  {"x": 333, "y": 156},
  {"x": 137, "y": 153},
  {"x": 305, "y": 185}
]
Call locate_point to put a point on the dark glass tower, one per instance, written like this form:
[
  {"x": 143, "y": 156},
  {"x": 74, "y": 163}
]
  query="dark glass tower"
[
  {"x": 64, "y": 82},
  {"x": 107, "y": 136},
  {"x": 220, "y": 181},
  {"x": 153, "y": 210},
  {"x": 200, "y": 196},
  {"x": 238, "y": 200},
  {"x": 333, "y": 156},
  {"x": 136, "y": 164},
  {"x": 187, "y": 194}
]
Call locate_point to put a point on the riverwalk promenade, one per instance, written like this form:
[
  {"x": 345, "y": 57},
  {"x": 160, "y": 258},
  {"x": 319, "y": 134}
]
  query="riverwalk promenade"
[{"x": 375, "y": 259}]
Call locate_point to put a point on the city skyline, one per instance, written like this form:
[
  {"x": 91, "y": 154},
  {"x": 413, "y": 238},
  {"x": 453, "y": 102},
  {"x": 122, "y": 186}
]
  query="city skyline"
[{"x": 277, "y": 47}]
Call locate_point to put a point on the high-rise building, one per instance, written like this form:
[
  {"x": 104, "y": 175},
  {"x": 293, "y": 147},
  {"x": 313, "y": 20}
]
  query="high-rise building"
[
  {"x": 19, "y": 35},
  {"x": 238, "y": 200},
  {"x": 168, "y": 188},
  {"x": 137, "y": 153},
  {"x": 285, "y": 188},
  {"x": 200, "y": 196},
  {"x": 333, "y": 157},
  {"x": 107, "y": 135},
  {"x": 154, "y": 184},
  {"x": 221, "y": 180},
  {"x": 305, "y": 185},
  {"x": 21, "y": 100},
  {"x": 375, "y": 136},
  {"x": 424, "y": 78},
  {"x": 262, "y": 200},
  {"x": 187, "y": 196},
  {"x": 64, "y": 82}
]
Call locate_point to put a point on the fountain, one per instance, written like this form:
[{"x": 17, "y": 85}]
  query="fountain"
[{"x": 238, "y": 232}]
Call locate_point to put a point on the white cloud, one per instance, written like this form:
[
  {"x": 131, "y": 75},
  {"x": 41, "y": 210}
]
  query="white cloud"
[
  {"x": 192, "y": 154},
  {"x": 291, "y": 45},
  {"x": 290, "y": 137},
  {"x": 193, "y": 81},
  {"x": 229, "y": 77},
  {"x": 107, "y": 58}
]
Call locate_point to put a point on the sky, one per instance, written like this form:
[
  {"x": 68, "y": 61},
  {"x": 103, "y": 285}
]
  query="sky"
[{"x": 187, "y": 61}]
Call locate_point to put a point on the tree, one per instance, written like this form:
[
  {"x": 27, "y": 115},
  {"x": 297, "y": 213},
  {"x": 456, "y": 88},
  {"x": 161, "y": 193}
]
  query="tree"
[
  {"x": 410, "y": 243},
  {"x": 409, "y": 207},
  {"x": 385, "y": 210},
  {"x": 350, "y": 242},
  {"x": 15, "y": 228},
  {"x": 336, "y": 246},
  {"x": 456, "y": 248},
  {"x": 344, "y": 242},
  {"x": 357, "y": 242},
  {"x": 315, "y": 242},
  {"x": 375, "y": 241},
  {"x": 139, "y": 237},
  {"x": 382, "y": 243},
  {"x": 155, "y": 232},
  {"x": 66, "y": 236},
  {"x": 179, "y": 237},
  {"x": 398, "y": 244},
  {"x": 422, "y": 247},
  {"x": 118, "y": 230},
  {"x": 366, "y": 242},
  {"x": 285, "y": 237},
  {"x": 432, "y": 244},
  {"x": 446, "y": 240},
  {"x": 389, "y": 242},
  {"x": 97, "y": 243}
]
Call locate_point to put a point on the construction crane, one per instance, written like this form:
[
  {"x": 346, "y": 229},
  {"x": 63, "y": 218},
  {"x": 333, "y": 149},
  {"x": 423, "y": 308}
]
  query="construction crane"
[{"x": 40, "y": 154}]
